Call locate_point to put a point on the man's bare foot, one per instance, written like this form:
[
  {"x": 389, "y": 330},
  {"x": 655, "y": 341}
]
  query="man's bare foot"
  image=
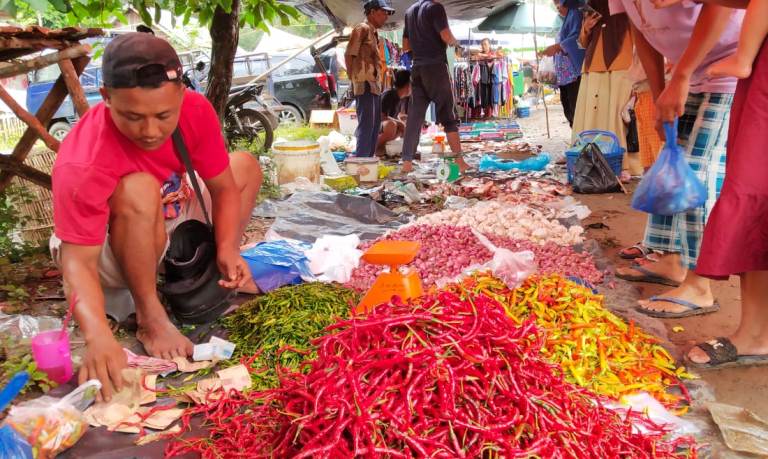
[
  {"x": 463, "y": 166},
  {"x": 685, "y": 292},
  {"x": 732, "y": 66},
  {"x": 666, "y": 266},
  {"x": 744, "y": 345},
  {"x": 162, "y": 339}
]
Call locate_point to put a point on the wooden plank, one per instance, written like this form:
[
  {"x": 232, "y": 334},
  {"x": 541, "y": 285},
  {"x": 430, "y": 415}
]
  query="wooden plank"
[
  {"x": 28, "y": 65},
  {"x": 51, "y": 103},
  {"x": 9, "y": 165},
  {"x": 29, "y": 119},
  {"x": 72, "y": 81}
]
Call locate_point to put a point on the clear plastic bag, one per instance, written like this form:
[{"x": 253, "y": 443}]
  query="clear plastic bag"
[
  {"x": 547, "y": 72},
  {"x": 670, "y": 186},
  {"x": 50, "y": 425},
  {"x": 511, "y": 267}
]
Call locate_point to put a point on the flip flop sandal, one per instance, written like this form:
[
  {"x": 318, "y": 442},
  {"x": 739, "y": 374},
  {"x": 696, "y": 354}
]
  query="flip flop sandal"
[
  {"x": 644, "y": 252},
  {"x": 647, "y": 276},
  {"x": 693, "y": 308},
  {"x": 723, "y": 354}
]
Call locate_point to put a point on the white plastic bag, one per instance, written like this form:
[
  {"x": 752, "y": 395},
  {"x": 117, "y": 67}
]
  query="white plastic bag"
[
  {"x": 511, "y": 267},
  {"x": 547, "y": 73},
  {"x": 333, "y": 258}
]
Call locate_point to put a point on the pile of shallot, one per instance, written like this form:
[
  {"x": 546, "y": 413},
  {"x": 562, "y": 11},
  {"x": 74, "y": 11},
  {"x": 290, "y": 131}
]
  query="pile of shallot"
[
  {"x": 446, "y": 251},
  {"x": 516, "y": 222}
]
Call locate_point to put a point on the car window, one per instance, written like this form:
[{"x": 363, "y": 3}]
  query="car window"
[{"x": 296, "y": 66}]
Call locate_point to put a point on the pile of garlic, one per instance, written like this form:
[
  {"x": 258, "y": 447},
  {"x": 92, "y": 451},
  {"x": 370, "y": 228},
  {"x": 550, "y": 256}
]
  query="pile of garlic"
[{"x": 512, "y": 221}]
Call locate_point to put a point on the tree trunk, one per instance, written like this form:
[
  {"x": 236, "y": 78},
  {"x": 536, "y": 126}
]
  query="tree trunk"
[{"x": 225, "y": 33}]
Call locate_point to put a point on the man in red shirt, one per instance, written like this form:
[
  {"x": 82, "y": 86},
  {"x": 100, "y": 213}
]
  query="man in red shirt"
[{"x": 119, "y": 190}]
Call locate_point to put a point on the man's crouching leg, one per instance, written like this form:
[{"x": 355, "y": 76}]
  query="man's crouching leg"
[
  {"x": 248, "y": 177},
  {"x": 138, "y": 239}
]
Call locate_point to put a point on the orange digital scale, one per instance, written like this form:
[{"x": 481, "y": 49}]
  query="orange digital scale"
[{"x": 395, "y": 281}]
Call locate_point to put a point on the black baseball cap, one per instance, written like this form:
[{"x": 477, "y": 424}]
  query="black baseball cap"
[
  {"x": 371, "y": 5},
  {"x": 139, "y": 59}
]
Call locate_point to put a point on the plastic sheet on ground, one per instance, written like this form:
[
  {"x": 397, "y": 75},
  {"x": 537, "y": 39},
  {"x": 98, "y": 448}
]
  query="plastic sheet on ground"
[
  {"x": 277, "y": 263},
  {"x": 645, "y": 403},
  {"x": 742, "y": 429},
  {"x": 494, "y": 163},
  {"x": 307, "y": 216}
]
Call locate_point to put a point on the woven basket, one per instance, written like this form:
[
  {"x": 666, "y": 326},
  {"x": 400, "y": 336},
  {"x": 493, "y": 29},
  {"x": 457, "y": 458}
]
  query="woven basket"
[{"x": 38, "y": 211}]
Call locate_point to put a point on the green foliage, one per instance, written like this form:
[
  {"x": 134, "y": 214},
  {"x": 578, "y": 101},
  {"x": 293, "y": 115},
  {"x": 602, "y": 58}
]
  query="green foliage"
[
  {"x": 269, "y": 187},
  {"x": 300, "y": 132},
  {"x": 11, "y": 220},
  {"x": 306, "y": 27},
  {"x": 255, "y": 13},
  {"x": 11, "y": 365}
]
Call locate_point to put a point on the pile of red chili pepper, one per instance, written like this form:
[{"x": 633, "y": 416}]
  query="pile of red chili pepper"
[
  {"x": 444, "y": 377},
  {"x": 595, "y": 348}
]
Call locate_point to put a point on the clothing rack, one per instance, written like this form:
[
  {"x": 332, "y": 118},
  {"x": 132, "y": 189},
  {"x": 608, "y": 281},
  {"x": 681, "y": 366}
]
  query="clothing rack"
[{"x": 483, "y": 87}]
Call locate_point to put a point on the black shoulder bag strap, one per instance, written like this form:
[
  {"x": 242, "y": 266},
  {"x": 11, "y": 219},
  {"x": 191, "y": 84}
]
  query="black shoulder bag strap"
[{"x": 181, "y": 147}]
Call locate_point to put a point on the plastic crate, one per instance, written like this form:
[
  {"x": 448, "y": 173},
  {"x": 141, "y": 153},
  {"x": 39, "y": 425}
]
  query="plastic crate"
[
  {"x": 609, "y": 147},
  {"x": 523, "y": 112}
]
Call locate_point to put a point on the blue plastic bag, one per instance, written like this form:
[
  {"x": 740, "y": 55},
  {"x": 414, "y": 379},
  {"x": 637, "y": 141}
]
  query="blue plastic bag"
[
  {"x": 493, "y": 163},
  {"x": 670, "y": 186},
  {"x": 278, "y": 263},
  {"x": 12, "y": 444}
]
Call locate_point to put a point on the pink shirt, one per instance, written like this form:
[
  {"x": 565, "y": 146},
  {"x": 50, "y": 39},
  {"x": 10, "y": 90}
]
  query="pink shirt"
[
  {"x": 669, "y": 30},
  {"x": 95, "y": 156}
]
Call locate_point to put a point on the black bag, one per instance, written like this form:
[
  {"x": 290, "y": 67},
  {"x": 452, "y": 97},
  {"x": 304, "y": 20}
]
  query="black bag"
[
  {"x": 592, "y": 174},
  {"x": 191, "y": 273},
  {"x": 633, "y": 140}
]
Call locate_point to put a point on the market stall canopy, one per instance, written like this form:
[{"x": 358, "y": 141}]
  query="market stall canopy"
[
  {"x": 518, "y": 18},
  {"x": 341, "y": 13},
  {"x": 279, "y": 40}
]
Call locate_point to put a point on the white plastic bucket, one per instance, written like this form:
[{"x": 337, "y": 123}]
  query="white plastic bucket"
[
  {"x": 296, "y": 159},
  {"x": 347, "y": 121},
  {"x": 366, "y": 169}
]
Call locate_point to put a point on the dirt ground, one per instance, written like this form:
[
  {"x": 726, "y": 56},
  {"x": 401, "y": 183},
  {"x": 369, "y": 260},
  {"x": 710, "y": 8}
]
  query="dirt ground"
[{"x": 745, "y": 387}]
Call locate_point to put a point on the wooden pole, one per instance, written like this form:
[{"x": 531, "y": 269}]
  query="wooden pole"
[
  {"x": 29, "y": 119},
  {"x": 8, "y": 164},
  {"x": 541, "y": 86},
  {"x": 29, "y": 65},
  {"x": 72, "y": 81},
  {"x": 44, "y": 114}
]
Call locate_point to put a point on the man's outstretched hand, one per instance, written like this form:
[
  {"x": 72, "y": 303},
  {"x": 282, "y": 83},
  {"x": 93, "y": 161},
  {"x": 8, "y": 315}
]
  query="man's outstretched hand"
[
  {"x": 104, "y": 360},
  {"x": 235, "y": 273}
]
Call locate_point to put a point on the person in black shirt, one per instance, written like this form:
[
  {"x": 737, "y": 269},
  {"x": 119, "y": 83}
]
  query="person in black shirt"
[
  {"x": 427, "y": 35},
  {"x": 393, "y": 109}
]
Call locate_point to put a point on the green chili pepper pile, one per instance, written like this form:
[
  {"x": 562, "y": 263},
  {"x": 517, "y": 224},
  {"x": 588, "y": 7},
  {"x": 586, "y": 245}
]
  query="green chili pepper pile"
[
  {"x": 279, "y": 326},
  {"x": 595, "y": 348}
]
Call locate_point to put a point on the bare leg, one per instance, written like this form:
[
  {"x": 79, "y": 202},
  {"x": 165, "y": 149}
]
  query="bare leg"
[
  {"x": 388, "y": 133},
  {"x": 753, "y": 32},
  {"x": 248, "y": 177},
  {"x": 454, "y": 141},
  {"x": 751, "y": 338},
  {"x": 694, "y": 289},
  {"x": 667, "y": 266},
  {"x": 137, "y": 238}
]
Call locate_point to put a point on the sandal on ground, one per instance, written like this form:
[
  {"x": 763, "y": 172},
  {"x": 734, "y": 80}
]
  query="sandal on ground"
[
  {"x": 693, "y": 309},
  {"x": 636, "y": 251},
  {"x": 647, "y": 276},
  {"x": 723, "y": 354}
]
